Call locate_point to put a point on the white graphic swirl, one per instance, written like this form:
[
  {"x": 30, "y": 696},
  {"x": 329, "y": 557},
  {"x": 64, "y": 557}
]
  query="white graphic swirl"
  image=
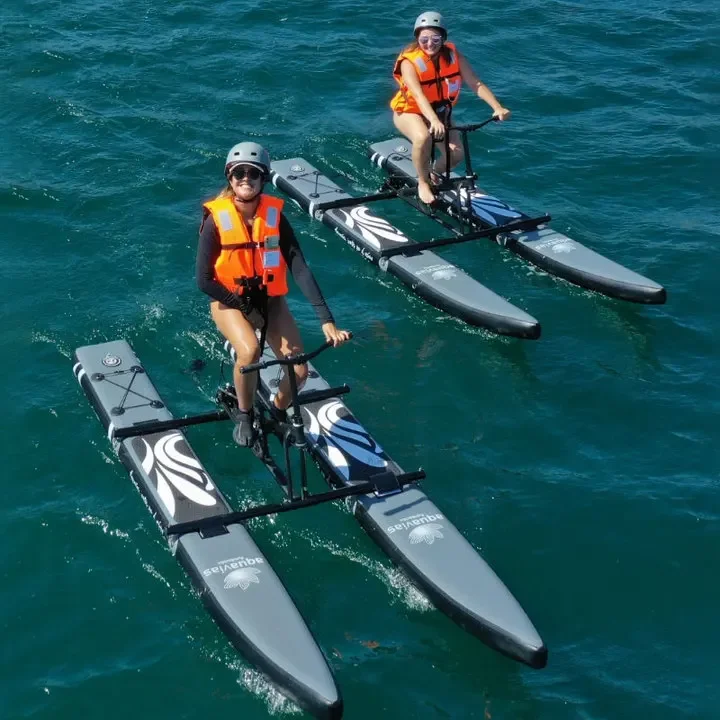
[
  {"x": 242, "y": 578},
  {"x": 446, "y": 273},
  {"x": 564, "y": 247},
  {"x": 426, "y": 533},
  {"x": 344, "y": 438},
  {"x": 490, "y": 209},
  {"x": 372, "y": 227},
  {"x": 174, "y": 468}
]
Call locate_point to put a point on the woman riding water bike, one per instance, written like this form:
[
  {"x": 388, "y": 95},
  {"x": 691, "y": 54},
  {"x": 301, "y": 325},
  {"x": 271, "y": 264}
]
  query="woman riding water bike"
[
  {"x": 430, "y": 72},
  {"x": 245, "y": 248}
]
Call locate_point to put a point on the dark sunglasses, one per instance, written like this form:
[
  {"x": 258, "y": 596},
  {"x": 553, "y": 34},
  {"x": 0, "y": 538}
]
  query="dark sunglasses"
[{"x": 246, "y": 171}]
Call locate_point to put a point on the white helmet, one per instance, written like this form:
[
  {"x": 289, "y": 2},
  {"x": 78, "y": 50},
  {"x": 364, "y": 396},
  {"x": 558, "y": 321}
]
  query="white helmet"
[
  {"x": 430, "y": 19},
  {"x": 248, "y": 153}
]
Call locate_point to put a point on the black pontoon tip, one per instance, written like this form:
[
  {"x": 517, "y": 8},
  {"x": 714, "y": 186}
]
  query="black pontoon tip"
[
  {"x": 536, "y": 658},
  {"x": 530, "y": 331},
  {"x": 650, "y": 296}
]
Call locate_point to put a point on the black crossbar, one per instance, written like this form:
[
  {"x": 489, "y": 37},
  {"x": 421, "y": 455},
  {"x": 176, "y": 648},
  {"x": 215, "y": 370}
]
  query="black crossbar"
[
  {"x": 311, "y": 396},
  {"x": 218, "y": 521},
  {"x": 156, "y": 426},
  {"x": 353, "y": 201},
  {"x": 514, "y": 226}
]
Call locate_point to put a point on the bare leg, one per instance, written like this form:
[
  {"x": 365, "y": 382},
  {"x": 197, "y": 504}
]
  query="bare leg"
[
  {"x": 456, "y": 153},
  {"x": 283, "y": 337},
  {"x": 414, "y": 129},
  {"x": 236, "y": 328}
]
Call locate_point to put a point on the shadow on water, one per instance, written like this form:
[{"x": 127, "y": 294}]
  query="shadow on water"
[
  {"x": 637, "y": 323},
  {"x": 461, "y": 660},
  {"x": 491, "y": 351}
]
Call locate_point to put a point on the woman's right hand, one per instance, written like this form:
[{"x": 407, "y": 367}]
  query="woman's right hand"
[
  {"x": 437, "y": 129},
  {"x": 335, "y": 336}
]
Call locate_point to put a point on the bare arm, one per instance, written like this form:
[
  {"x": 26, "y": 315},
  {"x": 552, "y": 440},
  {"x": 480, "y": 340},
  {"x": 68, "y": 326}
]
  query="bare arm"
[
  {"x": 481, "y": 89},
  {"x": 411, "y": 79}
]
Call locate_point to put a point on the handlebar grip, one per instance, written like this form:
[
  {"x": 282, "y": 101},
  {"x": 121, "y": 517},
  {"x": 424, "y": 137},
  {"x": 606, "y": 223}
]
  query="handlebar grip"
[
  {"x": 475, "y": 126},
  {"x": 410, "y": 477},
  {"x": 254, "y": 367}
]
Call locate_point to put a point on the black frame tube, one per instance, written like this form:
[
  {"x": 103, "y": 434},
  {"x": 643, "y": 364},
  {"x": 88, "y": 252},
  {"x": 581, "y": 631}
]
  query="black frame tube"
[
  {"x": 352, "y": 201},
  {"x": 155, "y": 426},
  {"x": 221, "y": 521},
  {"x": 523, "y": 224}
]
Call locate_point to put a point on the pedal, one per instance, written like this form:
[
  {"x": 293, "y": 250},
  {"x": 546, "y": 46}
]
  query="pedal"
[
  {"x": 258, "y": 450},
  {"x": 225, "y": 397}
]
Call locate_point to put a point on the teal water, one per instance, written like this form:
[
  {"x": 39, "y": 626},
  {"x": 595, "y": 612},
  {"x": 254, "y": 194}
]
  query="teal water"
[{"x": 583, "y": 465}]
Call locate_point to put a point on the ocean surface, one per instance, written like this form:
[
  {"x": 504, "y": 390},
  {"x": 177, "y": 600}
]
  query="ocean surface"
[{"x": 584, "y": 466}]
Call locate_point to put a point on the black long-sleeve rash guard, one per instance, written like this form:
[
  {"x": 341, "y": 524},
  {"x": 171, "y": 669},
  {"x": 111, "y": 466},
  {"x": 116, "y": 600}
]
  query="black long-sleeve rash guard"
[{"x": 209, "y": 250}]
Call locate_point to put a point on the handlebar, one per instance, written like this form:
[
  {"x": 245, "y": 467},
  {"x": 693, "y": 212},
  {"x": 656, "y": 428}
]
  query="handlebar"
[
  {"x": 474, "y": 126},
  {"x": 299, "y": 359}
]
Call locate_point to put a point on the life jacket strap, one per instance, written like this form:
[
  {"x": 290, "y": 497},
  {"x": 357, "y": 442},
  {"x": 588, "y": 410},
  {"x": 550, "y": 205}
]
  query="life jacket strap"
[
  {"x": 243, "y": 246},
  {"x": 443, "y": 109}
]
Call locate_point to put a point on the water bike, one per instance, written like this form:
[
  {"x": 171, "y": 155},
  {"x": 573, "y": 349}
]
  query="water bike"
[
  {"x": 234, "y": 578},
  {"x": 469, "y": 214}
]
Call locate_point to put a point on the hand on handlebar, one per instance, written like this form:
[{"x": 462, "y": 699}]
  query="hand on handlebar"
[
  {"x": 437, "y": 129},
  {"x": 335, "y": 336},
  {"x": 502, "y": 114}
]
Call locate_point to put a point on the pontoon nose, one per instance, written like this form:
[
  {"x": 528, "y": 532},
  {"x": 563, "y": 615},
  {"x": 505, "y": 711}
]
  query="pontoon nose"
[{"x": 650, "y": 294}]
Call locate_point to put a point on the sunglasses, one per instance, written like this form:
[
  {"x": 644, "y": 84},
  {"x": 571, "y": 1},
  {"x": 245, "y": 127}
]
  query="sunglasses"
[
  {"x": 430, "y": 40},
  {"x": 246, "y": 171}
]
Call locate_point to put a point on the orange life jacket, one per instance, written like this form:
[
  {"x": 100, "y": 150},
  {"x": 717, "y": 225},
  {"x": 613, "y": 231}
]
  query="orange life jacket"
[
  {"x": 244, "y": 261},
  {"x": 439, "y": 85}
]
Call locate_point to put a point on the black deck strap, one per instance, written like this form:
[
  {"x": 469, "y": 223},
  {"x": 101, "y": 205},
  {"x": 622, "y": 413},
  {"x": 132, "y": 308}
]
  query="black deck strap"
[
  {"x": 305, "y": 176},
  {"x": 317, "y": 180},
  {"x": 127, "y": 390}
]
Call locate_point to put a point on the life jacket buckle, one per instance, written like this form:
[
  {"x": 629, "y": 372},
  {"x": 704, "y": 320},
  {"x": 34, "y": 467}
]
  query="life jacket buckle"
[{"x": 249, "y": 283}]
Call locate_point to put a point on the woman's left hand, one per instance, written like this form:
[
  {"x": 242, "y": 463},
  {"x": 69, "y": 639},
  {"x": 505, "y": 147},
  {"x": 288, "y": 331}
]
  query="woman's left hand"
[
  {"x": 333, "y": 335},
  {"x": 502, "y": 114}
]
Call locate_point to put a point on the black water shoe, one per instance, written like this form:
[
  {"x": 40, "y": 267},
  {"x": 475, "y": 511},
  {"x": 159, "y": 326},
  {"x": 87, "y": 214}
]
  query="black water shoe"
[
  {"x": 278, "y": 414},
  {"x": 244, "y": 430}
]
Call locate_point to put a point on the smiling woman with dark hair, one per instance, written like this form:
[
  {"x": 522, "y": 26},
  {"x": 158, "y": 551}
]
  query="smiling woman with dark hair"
[
  {"x": 245, "y": 249},
  {"x": 430, "y": 72}
]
